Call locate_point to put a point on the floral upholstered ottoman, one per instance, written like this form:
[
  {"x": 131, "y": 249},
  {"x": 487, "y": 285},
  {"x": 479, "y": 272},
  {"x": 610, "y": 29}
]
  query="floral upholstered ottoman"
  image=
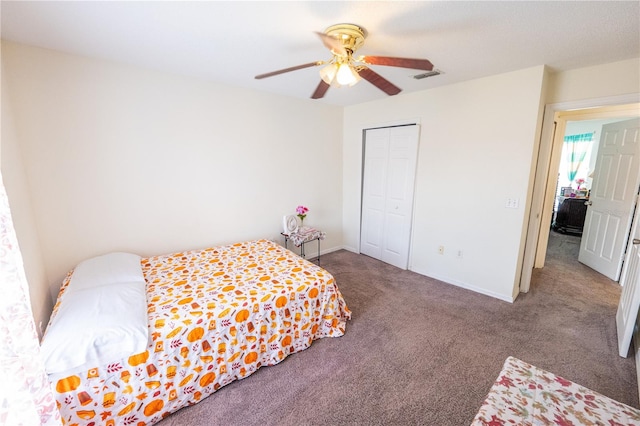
[{"x": 527, "y": 395}]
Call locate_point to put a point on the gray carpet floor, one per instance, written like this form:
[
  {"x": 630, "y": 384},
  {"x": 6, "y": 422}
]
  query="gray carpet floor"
[{"x": 421, "y": 352}]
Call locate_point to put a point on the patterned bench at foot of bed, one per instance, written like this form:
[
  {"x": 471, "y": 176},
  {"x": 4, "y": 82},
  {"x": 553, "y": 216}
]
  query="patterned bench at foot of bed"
[{"x": 527, "y": 395}]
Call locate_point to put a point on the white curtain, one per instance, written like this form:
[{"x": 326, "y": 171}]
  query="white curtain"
[{"x": 26, "y": 397}]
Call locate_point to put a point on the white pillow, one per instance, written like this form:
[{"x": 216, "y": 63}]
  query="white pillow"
[
  {"x": 107, "y": 269},
  {"x": 96, "y": 326}
]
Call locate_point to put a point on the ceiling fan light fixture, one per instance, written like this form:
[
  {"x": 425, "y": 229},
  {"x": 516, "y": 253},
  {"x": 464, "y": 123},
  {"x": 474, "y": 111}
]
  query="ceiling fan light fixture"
[
  {"x": 328, "y": 73},
  {"x": 346, "y": 75},
  {"x": 339, "y": 74}
]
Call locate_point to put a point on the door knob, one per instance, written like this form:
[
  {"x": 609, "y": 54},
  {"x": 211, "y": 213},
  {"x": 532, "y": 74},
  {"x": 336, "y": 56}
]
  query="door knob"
[
  {"x": 636, "y": 241},
  {"x": 588, "y": 203}
]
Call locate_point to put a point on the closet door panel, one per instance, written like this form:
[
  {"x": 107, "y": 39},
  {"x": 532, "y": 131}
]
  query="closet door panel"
[{"x": 392, "y": 154}]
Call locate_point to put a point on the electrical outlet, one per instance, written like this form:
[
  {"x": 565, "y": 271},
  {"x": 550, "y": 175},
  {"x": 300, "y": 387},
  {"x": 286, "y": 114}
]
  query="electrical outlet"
[
  {"x": 459, "y": 254},
  {"x": 441, "y": 250},
  {"x": 512, "y": 203}
]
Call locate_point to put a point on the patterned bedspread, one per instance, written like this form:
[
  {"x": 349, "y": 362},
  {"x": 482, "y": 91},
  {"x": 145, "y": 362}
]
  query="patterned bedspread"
[
  {"x": 527, "y": 395},
  {"x": 215, "y": 316}
]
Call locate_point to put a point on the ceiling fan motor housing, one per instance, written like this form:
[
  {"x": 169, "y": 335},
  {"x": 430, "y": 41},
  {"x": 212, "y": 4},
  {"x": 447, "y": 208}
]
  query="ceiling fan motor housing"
[{"x": 350, "y": 36}]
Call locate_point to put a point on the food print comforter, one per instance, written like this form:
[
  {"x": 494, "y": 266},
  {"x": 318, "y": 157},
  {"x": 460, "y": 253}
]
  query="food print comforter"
[{"x": 215, "y": 316}]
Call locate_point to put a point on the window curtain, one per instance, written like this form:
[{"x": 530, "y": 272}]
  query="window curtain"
[
  {"x": 26, "y": 397},
  {"x": 576, "y": 147}
]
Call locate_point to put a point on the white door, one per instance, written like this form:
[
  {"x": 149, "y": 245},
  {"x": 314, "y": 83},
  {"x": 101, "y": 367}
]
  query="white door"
[
  {"x": 630, "y": 297},
  {"x": 390, "y": 157},
  {"x": 374, "y": 192},
  {"x": 612, "y": 199}
]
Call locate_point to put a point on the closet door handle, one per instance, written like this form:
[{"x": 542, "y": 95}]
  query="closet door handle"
[
  {"x": 588, "y": 203},
  {"x": 636, "y": 241}
]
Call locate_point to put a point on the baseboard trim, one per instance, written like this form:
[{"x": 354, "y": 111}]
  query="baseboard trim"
[
  {"x": 330, "y": 250},
  {"x": 312, "y": 254},
  {"x": 351, "y": 249},
  {"x": 509, "y": 299}
]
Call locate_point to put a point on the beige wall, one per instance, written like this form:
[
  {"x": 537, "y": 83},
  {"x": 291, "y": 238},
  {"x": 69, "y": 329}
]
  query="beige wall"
[
  {"x": 123, "y": 158},
  {"x": 15, "y": 182},
  {"x": 600, "y": 81},
  {"x": 477, "y": 143}
]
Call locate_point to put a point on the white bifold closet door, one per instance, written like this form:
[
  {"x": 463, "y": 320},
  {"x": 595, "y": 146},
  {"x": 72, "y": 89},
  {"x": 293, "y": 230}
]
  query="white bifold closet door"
[{"x": 390, "y": 156}]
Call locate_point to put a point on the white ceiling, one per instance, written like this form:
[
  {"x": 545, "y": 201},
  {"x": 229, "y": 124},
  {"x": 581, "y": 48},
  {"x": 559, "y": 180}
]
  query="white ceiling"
[{"x": 231, "y": 42}]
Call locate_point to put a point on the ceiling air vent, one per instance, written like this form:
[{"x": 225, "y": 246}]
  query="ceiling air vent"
[{"x": 427, "y": 74}]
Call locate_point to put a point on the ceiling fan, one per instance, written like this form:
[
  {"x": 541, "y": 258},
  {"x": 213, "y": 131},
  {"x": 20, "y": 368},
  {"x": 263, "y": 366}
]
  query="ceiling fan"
[{"x": 345, "y": 70}]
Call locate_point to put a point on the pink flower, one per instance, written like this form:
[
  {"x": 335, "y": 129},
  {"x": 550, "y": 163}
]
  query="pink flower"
[{"x": 302, "y": 212}]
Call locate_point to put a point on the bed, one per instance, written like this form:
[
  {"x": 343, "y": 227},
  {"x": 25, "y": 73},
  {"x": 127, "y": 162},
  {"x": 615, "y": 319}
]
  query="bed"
[
  {"x": 212, "y": 316},
  {"x": 527, "y": 395}
]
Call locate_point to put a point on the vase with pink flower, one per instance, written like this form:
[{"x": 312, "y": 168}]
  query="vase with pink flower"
[{"x": 301, "y": 211}]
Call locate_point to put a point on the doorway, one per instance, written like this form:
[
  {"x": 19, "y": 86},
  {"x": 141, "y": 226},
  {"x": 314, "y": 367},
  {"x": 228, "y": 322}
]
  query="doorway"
[
  {"x": 547, "y": 166},
  {"x": 574, "y": 183},
  {"x": 562, "y": 120}
]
